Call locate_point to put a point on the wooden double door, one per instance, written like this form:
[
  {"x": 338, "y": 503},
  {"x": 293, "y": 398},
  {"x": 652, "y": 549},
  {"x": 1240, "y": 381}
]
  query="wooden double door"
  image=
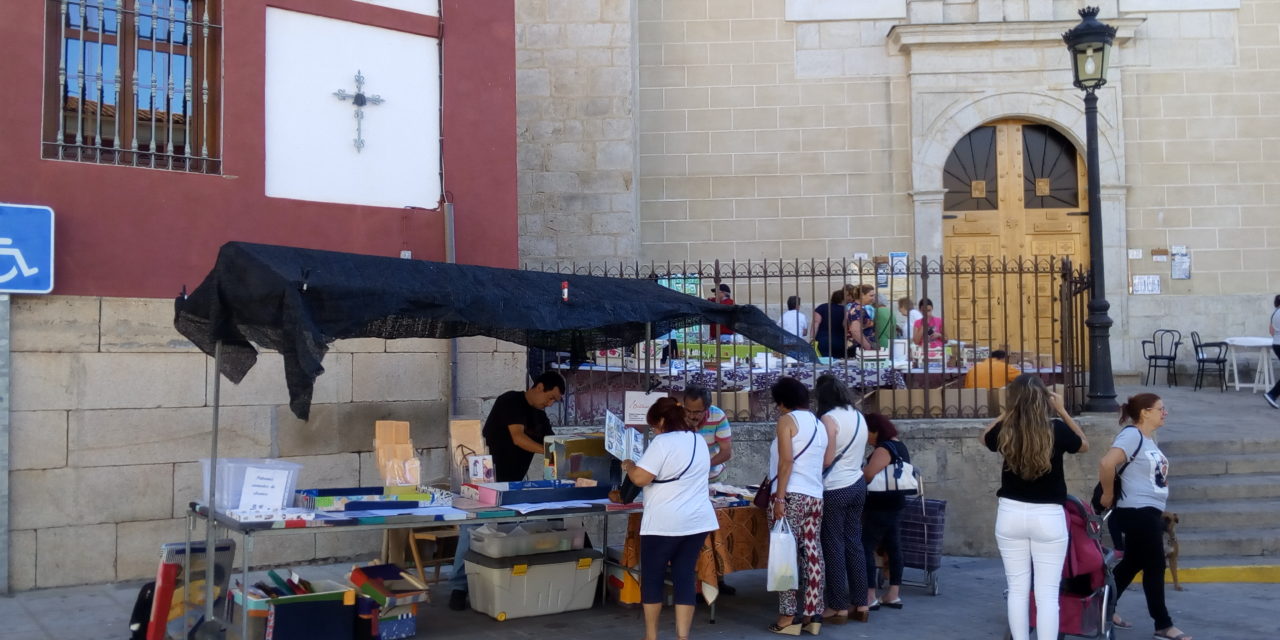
[{"x": 1016, "y": 205}]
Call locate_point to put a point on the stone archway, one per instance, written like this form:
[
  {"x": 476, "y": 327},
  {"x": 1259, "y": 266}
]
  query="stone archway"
[{"x": 941, "y": 120}]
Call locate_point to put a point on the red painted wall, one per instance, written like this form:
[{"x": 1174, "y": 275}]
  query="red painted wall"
[{"x": 133, "y": 232}]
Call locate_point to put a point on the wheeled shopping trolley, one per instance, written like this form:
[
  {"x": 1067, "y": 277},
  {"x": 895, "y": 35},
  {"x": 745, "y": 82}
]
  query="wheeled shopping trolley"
[{"x": 923, "y": 521}]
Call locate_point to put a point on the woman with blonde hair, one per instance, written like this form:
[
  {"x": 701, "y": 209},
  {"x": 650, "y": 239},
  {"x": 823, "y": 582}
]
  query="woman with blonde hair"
[{"x": 1031, "y": 526}]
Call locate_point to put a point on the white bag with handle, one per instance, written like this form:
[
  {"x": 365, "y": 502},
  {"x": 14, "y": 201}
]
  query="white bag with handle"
[{"x": 784, "y": 568}]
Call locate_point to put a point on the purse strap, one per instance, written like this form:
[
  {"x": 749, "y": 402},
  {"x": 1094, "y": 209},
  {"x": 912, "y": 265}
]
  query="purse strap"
[
  {"x": 806, "y": 448},
  {"x": 1141, "y": 440},
  {"x": 692, "y": 454},
  {"x": 856, "y": 428}
]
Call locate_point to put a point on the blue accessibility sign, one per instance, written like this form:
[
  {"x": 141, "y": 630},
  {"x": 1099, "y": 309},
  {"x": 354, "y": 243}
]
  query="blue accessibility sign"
[{"x": 26, "y": 249}]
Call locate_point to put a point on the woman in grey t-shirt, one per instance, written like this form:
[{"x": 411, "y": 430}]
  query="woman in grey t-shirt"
[{"x": 1138, "y": 512}]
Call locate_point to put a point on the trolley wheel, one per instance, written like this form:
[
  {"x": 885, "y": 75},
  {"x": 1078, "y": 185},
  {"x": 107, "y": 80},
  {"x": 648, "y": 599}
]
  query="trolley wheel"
[
  {"x": 932, "y": 583},
  {"x": 501, "y": 617}
]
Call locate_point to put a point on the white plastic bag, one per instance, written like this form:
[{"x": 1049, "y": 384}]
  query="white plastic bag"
[{"x": 784, "y": 569}]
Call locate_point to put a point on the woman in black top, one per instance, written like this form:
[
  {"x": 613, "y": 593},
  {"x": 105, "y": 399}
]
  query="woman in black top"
[
  {"x": 830, "y": 325},
  {"x": 882, "y": 513},
  {"x": 1031, "y": 527}
]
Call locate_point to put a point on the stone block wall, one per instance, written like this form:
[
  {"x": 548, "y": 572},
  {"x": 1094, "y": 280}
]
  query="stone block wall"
[
  {"x": 575, "y": 111},
  {"x": 764, "y": 138},
  {"x": 111, "y": 411},
  {"x": 1204, "y": 155}
]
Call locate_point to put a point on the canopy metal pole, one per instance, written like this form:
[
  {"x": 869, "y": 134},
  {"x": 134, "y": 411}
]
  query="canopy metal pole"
[
  {"x": 451, "y": 256},
  {"x": 210, "y": 526}
]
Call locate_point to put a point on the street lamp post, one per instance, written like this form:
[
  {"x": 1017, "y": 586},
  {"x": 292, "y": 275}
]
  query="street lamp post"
[{"x": 1090, "y": 45}]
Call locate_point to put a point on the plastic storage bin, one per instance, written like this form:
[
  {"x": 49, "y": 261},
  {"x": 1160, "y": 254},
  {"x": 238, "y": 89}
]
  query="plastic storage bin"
[
  {"x": 536, "y": 585},
  {"x": 231, "y": 476},
  {"x": 539, "y": 538}
]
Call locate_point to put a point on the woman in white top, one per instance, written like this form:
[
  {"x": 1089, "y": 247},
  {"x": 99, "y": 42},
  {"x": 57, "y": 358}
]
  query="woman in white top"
[
  {"x": 677, "y": 513},
  {"x": 1139, "y": 511},
  {"x": 844, "y": 492},
  {"x": 795, "y": 468}
]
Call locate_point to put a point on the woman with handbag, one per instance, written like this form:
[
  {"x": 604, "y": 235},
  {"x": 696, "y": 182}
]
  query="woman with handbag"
[
  {"x": 1031, "y": 526},
  {"x": 882, "y": 514},
  {"x": 844, "y": 492},
  {"x": 795, "y": 478},
  {"x": 1139, "y": 509},
  {"x": 677, "y": 513}
]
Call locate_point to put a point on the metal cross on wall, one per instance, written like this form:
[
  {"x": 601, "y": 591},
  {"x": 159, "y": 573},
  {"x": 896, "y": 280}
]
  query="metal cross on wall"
[{"x": 359, "y": 99}]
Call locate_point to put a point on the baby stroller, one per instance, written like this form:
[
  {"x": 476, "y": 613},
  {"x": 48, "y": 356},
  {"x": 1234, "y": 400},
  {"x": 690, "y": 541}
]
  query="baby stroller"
[{"x": 1086, "y": 598}]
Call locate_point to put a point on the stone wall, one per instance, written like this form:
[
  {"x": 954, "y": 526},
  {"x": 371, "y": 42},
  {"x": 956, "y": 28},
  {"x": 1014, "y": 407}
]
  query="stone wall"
[
  {"x": 111, "y": 412},
  {"x": 764, "y": 138},
  {"x": 575, "y": 111}
]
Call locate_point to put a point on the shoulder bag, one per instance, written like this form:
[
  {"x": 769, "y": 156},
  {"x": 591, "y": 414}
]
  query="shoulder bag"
[
  {"x": 764, "y": 495},
  {"x": 899, "y": 476},
  {"x": 1117, "y": 489},
  {"x": 628, "y": 492},
  {"x": 856, "y": 428}
]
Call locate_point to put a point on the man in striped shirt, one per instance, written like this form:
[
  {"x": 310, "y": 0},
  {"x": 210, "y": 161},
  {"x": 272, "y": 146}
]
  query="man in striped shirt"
[{"x": 713, "y": 425}]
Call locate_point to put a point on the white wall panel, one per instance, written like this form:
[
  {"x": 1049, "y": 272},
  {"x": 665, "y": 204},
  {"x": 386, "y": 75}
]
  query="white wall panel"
[{"x": 310, "y": 153}]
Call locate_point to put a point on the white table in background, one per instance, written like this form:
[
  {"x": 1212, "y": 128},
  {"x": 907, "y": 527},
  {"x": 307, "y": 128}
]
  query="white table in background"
[{"x": 1262, "y": 377}]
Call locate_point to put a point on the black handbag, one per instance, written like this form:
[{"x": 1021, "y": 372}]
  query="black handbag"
[
  {"x": 764, "y": 495},
  {"x": 1117, "y": 489}
]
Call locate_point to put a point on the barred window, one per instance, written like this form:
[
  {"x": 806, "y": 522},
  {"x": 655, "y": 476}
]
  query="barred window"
[{"x": 134, "y": 82}]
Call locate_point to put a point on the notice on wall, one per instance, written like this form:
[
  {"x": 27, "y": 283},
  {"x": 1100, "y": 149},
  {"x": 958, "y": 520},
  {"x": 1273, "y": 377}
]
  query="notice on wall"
[
  {"x": 1180, "y": 266},
  {"x": 263, "y": 489},
  {"x": 899, "y": 262},
  {"x": 636, "y": 405},
  {"x": 1146, "y": 285},
  {"x": 882, "y": 272}
]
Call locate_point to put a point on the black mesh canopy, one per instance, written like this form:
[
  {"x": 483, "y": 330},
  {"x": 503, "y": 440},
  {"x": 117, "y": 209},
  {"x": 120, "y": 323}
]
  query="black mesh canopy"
[{"x": 297, "y": 301}]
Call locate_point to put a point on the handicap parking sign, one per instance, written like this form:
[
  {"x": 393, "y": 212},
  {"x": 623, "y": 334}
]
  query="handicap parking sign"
[{"x": 26, "y": 249}]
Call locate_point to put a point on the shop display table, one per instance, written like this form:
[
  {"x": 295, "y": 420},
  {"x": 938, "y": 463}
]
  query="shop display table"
[{"x": 1262, "y": 377}]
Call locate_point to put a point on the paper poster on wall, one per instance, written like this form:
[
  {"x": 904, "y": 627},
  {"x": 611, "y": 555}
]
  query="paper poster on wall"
[
  {"x": 1180, "y": 268},
  {"x": 636, "y": 405},
  {"x": 1146, "y": 285},
  {"x": 1159, "y": 255},
  {"x": 898, "y": 265},
  {"x": 882, "y": 272}
]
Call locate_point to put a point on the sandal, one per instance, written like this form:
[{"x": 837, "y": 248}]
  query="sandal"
[
  {"x": 859, "y": 616},
  {"x": 1161, "y": 635},
  {"x": 792, "y": 629},
  {"x": 814, "y": 626},
  {"x": 875, "y": 605},
  {"x": 1120, "y": 623},
  {"x": 837, "y": 619},
  {"x": 896, "y": 604}
]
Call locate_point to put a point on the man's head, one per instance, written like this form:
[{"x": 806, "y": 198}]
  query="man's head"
[
  {"x": 999, "y": 354},
  {"x": 696, "y": 401},
  {"x": 904, "y": 305},
  {"x": 722, "y": 292},
  {"x": 793, "y": 303},
  {"x": 547, "y": 390}
]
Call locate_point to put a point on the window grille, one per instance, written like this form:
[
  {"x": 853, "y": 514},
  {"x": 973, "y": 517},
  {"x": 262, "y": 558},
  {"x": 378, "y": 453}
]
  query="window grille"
[{"x": 134, "y": 83}]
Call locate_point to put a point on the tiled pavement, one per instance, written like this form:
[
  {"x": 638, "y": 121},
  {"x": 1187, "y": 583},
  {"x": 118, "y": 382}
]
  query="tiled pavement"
[{"x": 970, "y": 606}]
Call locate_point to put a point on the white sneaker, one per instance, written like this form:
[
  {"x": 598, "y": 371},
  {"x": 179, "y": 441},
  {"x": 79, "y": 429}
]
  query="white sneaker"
[{"x": 1271, "y": 401}]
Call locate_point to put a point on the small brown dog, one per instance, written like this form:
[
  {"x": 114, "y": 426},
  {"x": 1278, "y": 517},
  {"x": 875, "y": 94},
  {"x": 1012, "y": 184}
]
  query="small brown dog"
[{"x": 1171, "y": 547}]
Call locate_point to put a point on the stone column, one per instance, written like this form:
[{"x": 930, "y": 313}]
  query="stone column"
[{"x": 928, "y": 235}]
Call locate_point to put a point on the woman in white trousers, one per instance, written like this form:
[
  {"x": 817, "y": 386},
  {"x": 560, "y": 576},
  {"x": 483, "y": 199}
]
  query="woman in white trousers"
[{"x": 1031, "y": 526}]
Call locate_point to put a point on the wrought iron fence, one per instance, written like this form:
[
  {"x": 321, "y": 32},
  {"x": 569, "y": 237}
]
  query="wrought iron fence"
[{"x": 935, "y": 366}]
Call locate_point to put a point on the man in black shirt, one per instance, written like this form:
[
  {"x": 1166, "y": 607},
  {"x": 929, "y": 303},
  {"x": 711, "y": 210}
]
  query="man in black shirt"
[
  {"x": 517, "y": 425},
  {"x": 514, "y": 431}
]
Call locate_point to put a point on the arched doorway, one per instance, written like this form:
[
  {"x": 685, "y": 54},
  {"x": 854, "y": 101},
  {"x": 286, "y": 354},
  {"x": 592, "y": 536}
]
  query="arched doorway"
[{"x": 1014, "y": 189}]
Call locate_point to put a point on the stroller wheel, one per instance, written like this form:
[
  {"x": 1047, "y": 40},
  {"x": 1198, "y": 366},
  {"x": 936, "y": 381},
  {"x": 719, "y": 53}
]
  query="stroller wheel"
[{"x": 933, "y": 583}]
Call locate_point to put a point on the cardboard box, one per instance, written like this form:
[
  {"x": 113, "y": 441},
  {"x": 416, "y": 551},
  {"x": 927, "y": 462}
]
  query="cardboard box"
[
  {"x": 387, "y": 586},
  {"x": 500, "y": 493},
  {"x": 573, "y": 457},
  {"x": 1000, "y": 397},
  {"x": 328, "y": 614},
  {"x": 911, "y": 403},
  {"x": 735, "y": 404},
  {"x": 393, "y": 449}
]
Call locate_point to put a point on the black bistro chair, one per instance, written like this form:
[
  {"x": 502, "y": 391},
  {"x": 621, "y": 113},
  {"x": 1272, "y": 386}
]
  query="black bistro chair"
[
  {"x": 1161, "y": 352},
  {"x": 1211, "y": 357}
]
